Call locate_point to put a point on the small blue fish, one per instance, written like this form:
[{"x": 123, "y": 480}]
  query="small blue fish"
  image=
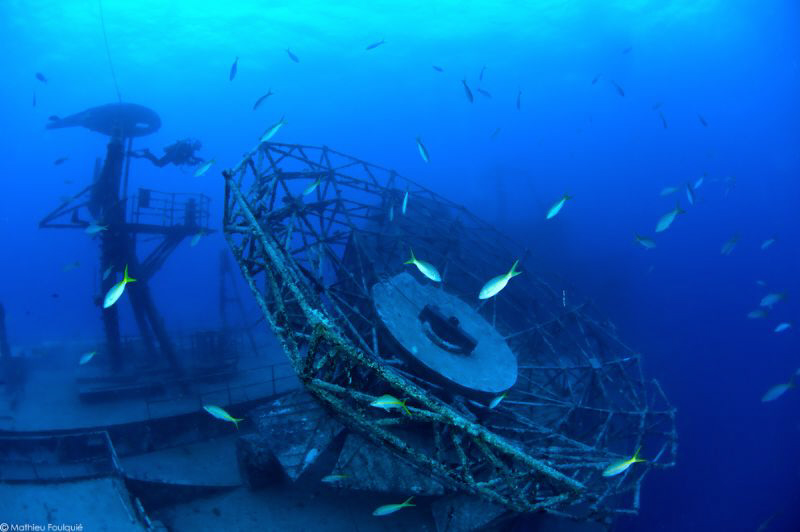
[
  {"x": 467, "y": 91},
  {"x": 557, "y": 206},
  {"x": 41, "y": 77},
  {"x": 292, "y": 56},
  {"x": 438, "y": 68},
  {"x": 234, "y": 67},
  {"x": 423, "y": 151},
  {"x": 375, "y": 45},
  {"x": 258, "y": 102}
]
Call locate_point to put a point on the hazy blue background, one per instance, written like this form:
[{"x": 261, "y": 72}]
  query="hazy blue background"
[{"x": 683, "y": 304}]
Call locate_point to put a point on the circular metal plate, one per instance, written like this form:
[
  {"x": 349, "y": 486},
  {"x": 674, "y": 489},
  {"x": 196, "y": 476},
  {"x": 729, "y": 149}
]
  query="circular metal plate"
[{"x": 463, "y": 347}]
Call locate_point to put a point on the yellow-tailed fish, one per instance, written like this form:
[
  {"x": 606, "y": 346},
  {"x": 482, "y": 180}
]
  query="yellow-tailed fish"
[
  {"x": 116, "y": 291},
  {"x": 72, "y": 266},
  {"x": 423, "y": 151},
  {"x": 728, "y": 246},
  {"x": 778, "y": 390},
  {"x": 273, "y": 129},
  {"x": 666, "y": 191},
  {"x": 496, "y": 401},
  {"x": 94, "y": 227},
  {"x": 496, "y": 284},
  {"x": 427, "y": 269},
  {"x": 770, "y": 299},
  {"x": 312, "y": 187},
  {"x": 108, "y": 272},
  {"x": 615, "y": 468},
  {"x": 665, "y": 221},
  {"x": 557, "y": 206},
  {"x": 699, "y": 182},
  {"x": 644, "y": 241},
  {"x": 389, "y": 402},
  {"x": 784, "y": 325},
  {"x": 204, "y": 168},
  {"x": 387, "y": 509},
  {"x": 757, "y": 313},
  {"x": 333, "y": 478},
  {"x": 767, "y": 243},
  {"x": 405, "y": 203},
  {"x": 87, "y": 357},
  {"x": 219, "y": 413},
  {"x": 196, "y": 239}
]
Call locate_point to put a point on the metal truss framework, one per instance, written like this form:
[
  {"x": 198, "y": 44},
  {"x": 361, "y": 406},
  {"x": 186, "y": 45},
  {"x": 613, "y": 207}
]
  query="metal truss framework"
[{"x": 313, "y": 229}]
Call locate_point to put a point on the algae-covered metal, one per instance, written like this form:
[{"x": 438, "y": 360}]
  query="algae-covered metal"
[{"x": 577, "y": 400}]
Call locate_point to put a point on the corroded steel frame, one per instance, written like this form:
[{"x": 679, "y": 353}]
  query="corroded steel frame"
[{"x": 312, "y": 229}]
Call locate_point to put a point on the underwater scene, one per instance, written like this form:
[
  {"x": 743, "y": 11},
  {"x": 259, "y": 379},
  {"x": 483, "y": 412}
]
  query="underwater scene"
[{"x": 400, "y": 266}]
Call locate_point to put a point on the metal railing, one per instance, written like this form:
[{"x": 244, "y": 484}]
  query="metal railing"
[
  {"x": 278, "y": 379},
  {"x": 169, "y": 209},
  {"x": 54, "y": 458}
]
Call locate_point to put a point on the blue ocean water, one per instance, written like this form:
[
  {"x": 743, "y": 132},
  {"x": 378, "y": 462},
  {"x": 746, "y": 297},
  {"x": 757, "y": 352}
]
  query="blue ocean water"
[{"x": 684, "y": 304}]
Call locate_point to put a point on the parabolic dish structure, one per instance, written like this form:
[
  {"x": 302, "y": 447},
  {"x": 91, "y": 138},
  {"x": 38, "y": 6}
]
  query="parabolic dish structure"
[{"x": 321, "y": 238}]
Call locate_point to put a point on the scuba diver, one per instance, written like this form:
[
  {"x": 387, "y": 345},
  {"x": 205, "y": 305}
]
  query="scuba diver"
[{"x": 179, "y": 153}]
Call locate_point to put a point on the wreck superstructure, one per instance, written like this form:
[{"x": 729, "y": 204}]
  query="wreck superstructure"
[{"x": 520, "y": 399}]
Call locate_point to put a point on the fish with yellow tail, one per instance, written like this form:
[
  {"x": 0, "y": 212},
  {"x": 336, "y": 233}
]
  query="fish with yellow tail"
[
  {"x": 116, "y": 291},
  {"x": 772, "y": 298},
  {"x": 783, "y": 326},
  {"x": 94, "y": 228},
  {"x": 219, "y": 413},
  {"x": 426, "y": 268},
  {"x": 557, "y": 206},
  {"x": 203, "y": 169},
  {"x": 728, "y": 246},
  {"x": 665, "y": 221},
  {"x": 768, "y": 242},
  {"x": 496, "y": 284},
  {"x": 389, "y": 402},
  {"x": 496, "y": 401},
  {"x": 778, "y": 390},
  {"x": 647, "y": 243},
  {"x": 87, "y": 357},
  {"x": 387, "y": 509},
  {"x": 615, "y": 468},
  {"x": 270, "y": 132},
  {"x": 405, "y": 203},
  {"x": 312, "y": 187},
  {"x": 334, "y": 478},
  {"x": 423, "y": 152}
]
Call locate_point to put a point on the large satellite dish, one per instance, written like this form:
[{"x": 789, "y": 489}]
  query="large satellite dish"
[{"x": 321, "y": 238}]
